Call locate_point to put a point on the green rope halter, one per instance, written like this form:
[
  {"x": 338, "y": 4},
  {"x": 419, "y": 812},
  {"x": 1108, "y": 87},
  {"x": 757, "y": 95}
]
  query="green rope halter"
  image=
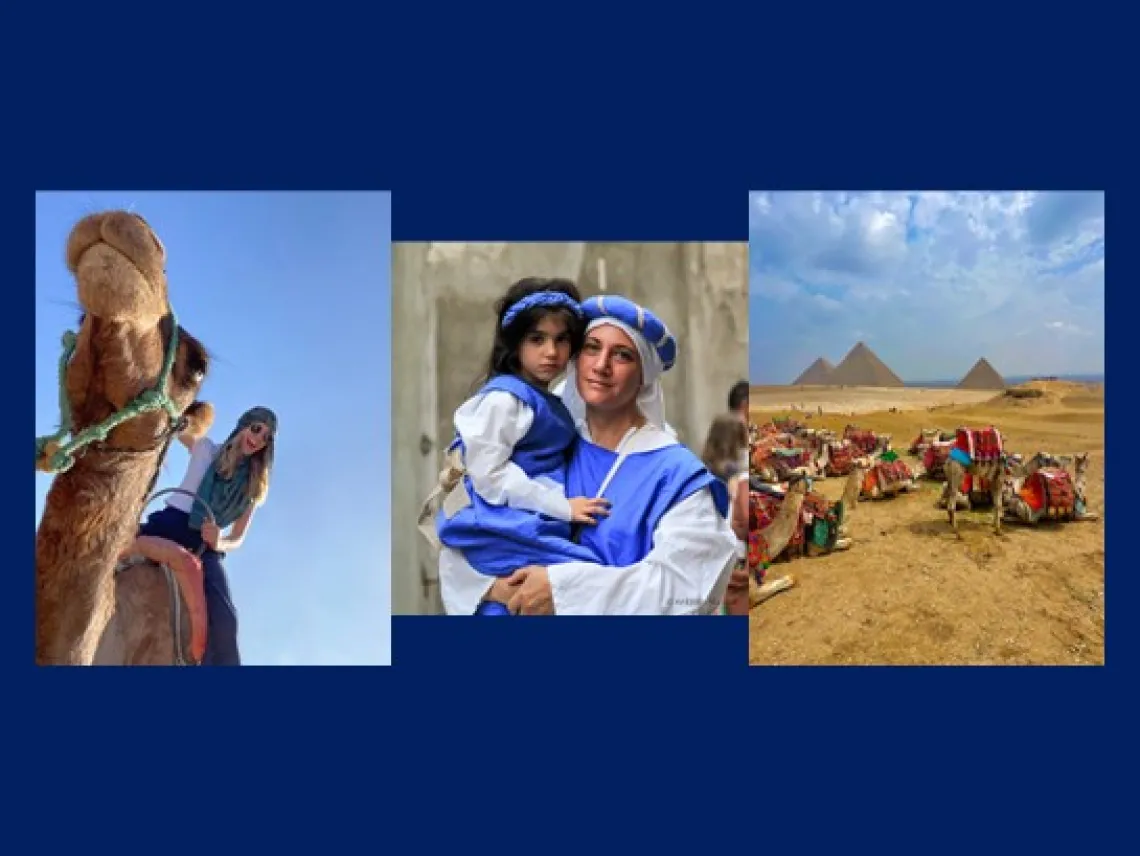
[{"x": 152, "y": 399}]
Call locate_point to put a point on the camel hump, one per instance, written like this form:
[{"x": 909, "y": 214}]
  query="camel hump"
[{"x": 186, "y": 569}]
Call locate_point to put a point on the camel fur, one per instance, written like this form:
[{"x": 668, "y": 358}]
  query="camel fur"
[{"x": 92, "y": 510}]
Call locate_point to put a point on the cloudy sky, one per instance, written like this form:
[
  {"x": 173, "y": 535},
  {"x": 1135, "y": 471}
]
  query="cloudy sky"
[{"x": 930, "y": 281}]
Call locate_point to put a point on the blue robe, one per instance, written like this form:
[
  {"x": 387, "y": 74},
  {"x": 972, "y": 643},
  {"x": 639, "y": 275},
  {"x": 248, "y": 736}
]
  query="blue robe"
[
  {"x": 644, "y": 488},
  {"x": 497, "y": 539}
]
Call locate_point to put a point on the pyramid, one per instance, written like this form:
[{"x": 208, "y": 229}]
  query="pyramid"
[
  {"x": 862, "y": 368},
  {"x": 817, "y": 374},
  {"x": 982, "y": 376}
]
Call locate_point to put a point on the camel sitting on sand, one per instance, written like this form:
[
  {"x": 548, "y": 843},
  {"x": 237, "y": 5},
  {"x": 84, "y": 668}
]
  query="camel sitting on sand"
[
  {"x": 824, "y": 526},
  {"x": 773, "y": 539},
  {"x": 1044, "y": 489},
  {"x": 886, "y": 479},
  {"x": 127, "y": 379}
]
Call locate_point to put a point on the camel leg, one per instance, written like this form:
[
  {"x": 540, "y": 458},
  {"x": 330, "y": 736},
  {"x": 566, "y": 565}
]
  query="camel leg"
[
  {"x": 996, "y": 497},
  {"x": 953, "y": 482},
  {"x": 757, "y": 594}
]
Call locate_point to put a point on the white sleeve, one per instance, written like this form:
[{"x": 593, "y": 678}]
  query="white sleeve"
[
  {"x": 491, "y": 425},
  {"x": 461, "y": 587},
  {"x": 685, "y": 573}
]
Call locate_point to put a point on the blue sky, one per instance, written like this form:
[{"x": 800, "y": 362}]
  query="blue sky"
[
  {"x": 929, "y": 280},
  {"x": 290, "y": 292}
]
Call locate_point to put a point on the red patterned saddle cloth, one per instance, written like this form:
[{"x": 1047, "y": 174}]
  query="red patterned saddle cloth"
[
  {"x": 861, "y": 439},
  {"x": 889, "y": 475},
  {"x": 1050, "y": 488},
  {"x": 981, "y": 444},
  {"x": 934, "y": 458},
  {"x": 762, "y": 510},
  {"x": 840, "y": 460}
]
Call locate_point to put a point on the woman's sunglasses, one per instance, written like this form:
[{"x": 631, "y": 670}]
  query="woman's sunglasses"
[{"x": 257, "y": 429}]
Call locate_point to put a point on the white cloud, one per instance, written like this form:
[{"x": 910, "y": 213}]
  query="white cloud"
[{"x": 935, "y": 278}]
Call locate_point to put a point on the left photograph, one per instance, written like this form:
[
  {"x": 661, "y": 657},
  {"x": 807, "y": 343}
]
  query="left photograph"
[{"x": 212, "y": 449}]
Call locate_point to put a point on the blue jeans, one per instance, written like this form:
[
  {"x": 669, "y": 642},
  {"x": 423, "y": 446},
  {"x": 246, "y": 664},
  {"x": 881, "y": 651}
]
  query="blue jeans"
[{"x": 173, "y": 524}]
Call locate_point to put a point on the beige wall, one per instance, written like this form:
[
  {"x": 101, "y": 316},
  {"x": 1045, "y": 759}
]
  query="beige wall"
[{"x": 442, "y": 326}]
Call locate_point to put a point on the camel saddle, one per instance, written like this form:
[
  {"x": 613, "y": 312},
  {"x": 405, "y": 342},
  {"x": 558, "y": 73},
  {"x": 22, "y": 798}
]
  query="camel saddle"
[
  {"x": 187, "y": 571},
  {"x": 840, "y": 460},
  {"x": 888, "y": 475},
  {"x": 861, "y": 439},
  {"x": 982, "y": 445},
  {"x": 934, "y": 458},
  {"x": 1050, "y": 489},
  {"x": 761, "y": 509}
]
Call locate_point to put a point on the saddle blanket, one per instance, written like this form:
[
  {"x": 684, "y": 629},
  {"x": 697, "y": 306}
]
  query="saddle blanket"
[
  {"x": 1050, "y": 488},
  {"x": 862, "y": 440},
  {"x": 978, "y": 444},
  {"x": 888, "y": 475},
  {"x": 934, "y": 458},
  {"x": 840, "y": 460}
]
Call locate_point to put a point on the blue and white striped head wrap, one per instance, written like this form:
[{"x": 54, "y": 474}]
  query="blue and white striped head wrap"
[
  {"x": 656, "y": 348},
  {"x": 545, "y": 299}
]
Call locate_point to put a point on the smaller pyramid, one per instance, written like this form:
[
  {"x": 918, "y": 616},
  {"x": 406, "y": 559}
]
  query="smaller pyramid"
[
  {"x": 817, "y": 374},
  {"x": 982, "y": 376},
  {"x": 862, "y": 368}
]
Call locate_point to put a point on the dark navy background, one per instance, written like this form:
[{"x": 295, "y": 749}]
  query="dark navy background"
[{"x": 584, "y": 734}]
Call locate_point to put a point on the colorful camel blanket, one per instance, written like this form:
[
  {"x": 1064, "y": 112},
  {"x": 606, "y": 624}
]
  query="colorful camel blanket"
[
  {"x": 861, "y": 439},
  {"x": 934, "y": 458},
  {"x": 819, "y": 520},
  {"x": 1050, "y": 489},
  {"x": 889, "y": 475},
  {"x": 758, "y": 559},
  {"x": 981, "y": 445},
  {"x": 840, "y": 460}
]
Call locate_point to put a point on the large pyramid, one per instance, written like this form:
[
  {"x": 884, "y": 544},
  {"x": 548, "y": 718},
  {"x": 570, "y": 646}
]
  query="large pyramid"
[
  {"x": 862, "y": 368},
  {"x": 817, "y": 374},
  {"x": 982, "y": 376}
]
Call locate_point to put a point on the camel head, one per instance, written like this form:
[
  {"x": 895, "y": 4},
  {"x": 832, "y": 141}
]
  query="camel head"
[{"x": 119, "y": 267}]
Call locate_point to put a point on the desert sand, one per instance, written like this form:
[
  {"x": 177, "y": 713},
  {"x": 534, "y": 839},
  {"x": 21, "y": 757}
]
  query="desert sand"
[{"x": 908, "y": 591}]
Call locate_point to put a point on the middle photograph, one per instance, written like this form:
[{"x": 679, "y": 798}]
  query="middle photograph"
[{"x": 569, "y": 428}]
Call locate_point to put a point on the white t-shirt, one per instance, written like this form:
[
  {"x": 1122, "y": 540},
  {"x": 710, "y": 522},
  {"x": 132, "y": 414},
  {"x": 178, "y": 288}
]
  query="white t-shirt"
[{"x": 201, "y": 456}]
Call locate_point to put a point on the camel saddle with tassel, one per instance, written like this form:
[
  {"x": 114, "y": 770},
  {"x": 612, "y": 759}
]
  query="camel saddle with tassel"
[{"x": 982, "y": 445}]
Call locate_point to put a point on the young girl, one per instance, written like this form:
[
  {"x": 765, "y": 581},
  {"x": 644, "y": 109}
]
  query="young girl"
[
  {"x": 232, "y": 479},
  {"x": 726, "y": 457},
  {"x": 510, "y": 510}
]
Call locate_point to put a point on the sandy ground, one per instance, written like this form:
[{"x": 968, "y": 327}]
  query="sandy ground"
[{"x": 909, "y": 592}]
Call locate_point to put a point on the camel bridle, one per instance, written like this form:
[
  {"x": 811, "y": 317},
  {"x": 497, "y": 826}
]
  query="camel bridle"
[{"x": 155, "y": 398}]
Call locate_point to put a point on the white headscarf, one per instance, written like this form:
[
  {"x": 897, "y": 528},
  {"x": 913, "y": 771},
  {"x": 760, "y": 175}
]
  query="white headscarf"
[{"x": 650, "y": 398}]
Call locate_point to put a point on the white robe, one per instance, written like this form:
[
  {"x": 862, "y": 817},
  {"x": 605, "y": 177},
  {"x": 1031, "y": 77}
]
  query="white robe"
[
  {"x": 685, "y": 573},
  {"x": 491, "y": 425}
]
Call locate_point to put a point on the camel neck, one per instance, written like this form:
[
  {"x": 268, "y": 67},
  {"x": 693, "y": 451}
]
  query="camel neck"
[{"x": 90, "y": 517}]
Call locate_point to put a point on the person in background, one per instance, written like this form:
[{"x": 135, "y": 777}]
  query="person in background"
[{"x": 738, "y": 401}]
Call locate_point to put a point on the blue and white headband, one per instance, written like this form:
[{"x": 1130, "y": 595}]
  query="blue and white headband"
[
  {"x": 545, "y": 299},
  {"x": 651, "y": 328}
]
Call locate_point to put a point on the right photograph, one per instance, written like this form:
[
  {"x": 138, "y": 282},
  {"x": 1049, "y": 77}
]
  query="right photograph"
[{"x": 926, "y": 428}]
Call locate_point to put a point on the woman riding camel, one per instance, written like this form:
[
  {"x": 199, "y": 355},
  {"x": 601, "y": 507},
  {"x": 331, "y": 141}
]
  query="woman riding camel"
[
  {"x": 666, "y": 547},
  {"x": 232, "y": 479}
]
